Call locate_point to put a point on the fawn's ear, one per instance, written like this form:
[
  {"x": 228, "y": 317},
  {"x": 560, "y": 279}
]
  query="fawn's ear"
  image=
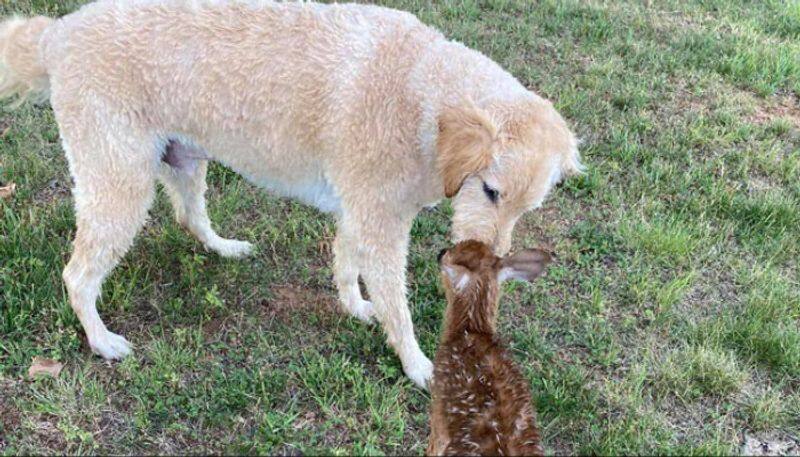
[
  {"x": 464, "y": 145},
  {"x": 457, "y": 275},
  {"x": 525, "y": 265}
]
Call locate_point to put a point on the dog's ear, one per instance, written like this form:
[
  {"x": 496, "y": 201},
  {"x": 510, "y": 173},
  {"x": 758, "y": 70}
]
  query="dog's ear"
[
  {"x": 525, "y": 265},
  {"x": 464, "y": 145}
]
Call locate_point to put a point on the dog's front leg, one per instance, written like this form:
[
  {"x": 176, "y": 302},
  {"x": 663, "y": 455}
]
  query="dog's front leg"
[{"x": 383, "y": 251}]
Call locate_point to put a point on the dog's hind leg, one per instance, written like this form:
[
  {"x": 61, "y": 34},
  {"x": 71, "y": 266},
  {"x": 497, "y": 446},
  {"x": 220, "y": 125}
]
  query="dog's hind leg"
[
  {"x": 345, "y": 272},
  {"x": 183, "y": 174},
  {"x": 114, "y": 188}
]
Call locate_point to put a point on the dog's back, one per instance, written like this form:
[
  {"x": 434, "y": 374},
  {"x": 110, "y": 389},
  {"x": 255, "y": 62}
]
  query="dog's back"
[
  {"x": 237, "y": 77},
  {"x": 480, "y": 401},
  {"x": 274, "y": 90}
]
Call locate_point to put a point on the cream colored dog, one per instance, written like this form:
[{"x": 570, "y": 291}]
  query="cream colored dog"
[{"x": 361, "y": 111}]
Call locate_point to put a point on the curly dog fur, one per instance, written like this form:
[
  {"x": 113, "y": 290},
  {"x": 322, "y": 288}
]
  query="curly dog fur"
[{"x": 362, "y": 111}]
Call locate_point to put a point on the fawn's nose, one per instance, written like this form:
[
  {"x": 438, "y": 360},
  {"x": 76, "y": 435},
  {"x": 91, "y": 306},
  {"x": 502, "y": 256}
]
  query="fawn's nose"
[{"x": 439, "y": 257}]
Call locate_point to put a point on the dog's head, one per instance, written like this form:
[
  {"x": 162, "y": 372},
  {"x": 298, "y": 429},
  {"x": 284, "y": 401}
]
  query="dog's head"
[{"x": 500, "y": 161}]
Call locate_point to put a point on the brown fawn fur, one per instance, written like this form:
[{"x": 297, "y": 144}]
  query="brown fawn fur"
[{"x": 481, "y": 403}]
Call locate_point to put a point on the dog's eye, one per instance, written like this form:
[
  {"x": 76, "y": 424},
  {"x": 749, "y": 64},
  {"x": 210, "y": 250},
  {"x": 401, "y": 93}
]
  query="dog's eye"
[{"x": 493, "y": 194}]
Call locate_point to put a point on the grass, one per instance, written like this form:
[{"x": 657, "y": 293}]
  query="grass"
[
  {"x": 696, "y": 371},
  {"x": 670, "y": 325}
]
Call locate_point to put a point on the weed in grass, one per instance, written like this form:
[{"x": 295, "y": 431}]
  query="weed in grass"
[
  {"x": 693, "y": 371},
  {"x": 766, "y": 410},
  {"x": 635, "y": 433},
  {"x": 668, "y": 241}
]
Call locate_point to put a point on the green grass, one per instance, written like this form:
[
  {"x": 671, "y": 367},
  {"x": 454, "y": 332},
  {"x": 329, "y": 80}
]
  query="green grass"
[
  {"x": 695, "y": 371},
  {"x": 670, "y": 324}
]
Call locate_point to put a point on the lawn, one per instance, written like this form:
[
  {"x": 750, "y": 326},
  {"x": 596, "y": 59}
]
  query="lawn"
[{"x": 670, "y": 324}]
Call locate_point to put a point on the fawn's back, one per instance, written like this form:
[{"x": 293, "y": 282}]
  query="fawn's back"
[{"x": 481, "y": 400}]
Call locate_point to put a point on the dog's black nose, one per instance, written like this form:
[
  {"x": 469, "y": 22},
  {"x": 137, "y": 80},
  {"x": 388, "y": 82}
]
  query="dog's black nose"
[{"x": 441, "y": 254}]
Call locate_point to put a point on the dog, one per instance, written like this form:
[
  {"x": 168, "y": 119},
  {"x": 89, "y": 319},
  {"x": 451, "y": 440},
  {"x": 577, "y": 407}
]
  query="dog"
[
  {"x": 480, "y": 401},
  {"x": 361, "y": 111}
]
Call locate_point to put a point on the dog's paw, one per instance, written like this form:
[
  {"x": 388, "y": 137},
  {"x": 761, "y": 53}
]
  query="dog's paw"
[
  {"x": 110, "y": 346},
  {"x": 419, "y": 370},
  {"x": 230, "y": 248},
  {"x": 362, "y": 310}
]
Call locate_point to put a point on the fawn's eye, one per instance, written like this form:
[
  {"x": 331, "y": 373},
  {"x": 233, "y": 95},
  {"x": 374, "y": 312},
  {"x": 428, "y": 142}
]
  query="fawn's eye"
[{"x": 492, "y": 194}]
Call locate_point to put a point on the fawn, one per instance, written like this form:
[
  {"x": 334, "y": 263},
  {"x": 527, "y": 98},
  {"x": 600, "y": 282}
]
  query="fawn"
[{"x": 481, "y": 404}]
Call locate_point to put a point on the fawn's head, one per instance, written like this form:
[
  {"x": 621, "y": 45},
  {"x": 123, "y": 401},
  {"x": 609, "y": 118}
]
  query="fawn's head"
[{"x": 472, "y": 274}]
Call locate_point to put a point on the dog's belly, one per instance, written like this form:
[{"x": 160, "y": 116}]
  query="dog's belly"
[
  {"x": 316, "y": 191},
  {"x": 283, "y": 169},
  {"x": 303, "y": 182}
]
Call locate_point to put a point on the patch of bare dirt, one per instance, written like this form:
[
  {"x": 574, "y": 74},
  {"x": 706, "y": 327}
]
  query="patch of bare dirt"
[
  {"x": 213, "y": 327},
  {"x": 783, "y": 107},
  {"x": 291, "y": 299},
  {"x": 54, "y": 190},
  {"x": 48, "y": 435},
  {"x": 5, "y": 126},
  {"x": 770, "y": 443},
  {"x": 9, "y": 414},
  {"x": 760, "y": 183}
]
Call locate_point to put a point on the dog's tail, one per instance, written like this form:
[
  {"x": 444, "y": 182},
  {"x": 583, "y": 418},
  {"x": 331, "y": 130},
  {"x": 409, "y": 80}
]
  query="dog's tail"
[{"x": 22, "y": 69}]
